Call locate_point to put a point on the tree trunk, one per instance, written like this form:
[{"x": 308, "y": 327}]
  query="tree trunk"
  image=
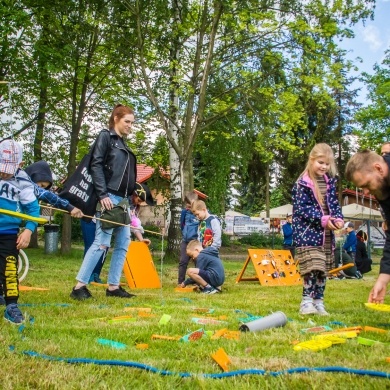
[
  {"x": 66, "y": 234},
  {"x": 176, "y": 204},
  {"x": 267, "y": 207},
  {"x": 34, "y": 240}
]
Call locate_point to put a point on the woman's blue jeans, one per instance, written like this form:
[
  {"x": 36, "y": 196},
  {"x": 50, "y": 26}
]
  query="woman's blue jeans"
[{"x": 101, "y": 243}]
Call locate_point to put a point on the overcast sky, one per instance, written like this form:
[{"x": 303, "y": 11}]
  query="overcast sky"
[{"x": 371, "y": 41}]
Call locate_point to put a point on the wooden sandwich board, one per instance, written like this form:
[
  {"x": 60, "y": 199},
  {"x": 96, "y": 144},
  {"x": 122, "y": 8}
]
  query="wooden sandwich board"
[
  {"x": 272, "y": 268},
  {"x": 139, "y": 268}
]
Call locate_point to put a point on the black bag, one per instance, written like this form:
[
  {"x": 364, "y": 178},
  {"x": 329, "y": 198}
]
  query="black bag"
[
  {"x": 79, "y": 190},
  {"x": 118, "y": 214}
]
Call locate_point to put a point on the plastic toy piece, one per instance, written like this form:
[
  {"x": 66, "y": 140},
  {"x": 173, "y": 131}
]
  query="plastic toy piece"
[
  {"x": 207, "y": 321},
  {"x": 25, "y": 217},
  {"x": 333, "y": 338},
  {"x": 222, "y": 359},
  {"x": 316, "y": 329},
  {"x": 227, "y": 334},
  {"x": 165, "y": 318},
  {"x": 160, "y": 337},
  {"x": 346, "y": 266},
  {"x": 373, "y": 329},
  {"x": 143, "y": 314},
  {"x": 313, "y": 345},
  {"x": 138, "y": 309},
  {"x": 249, "y": 319},
  {"x": 349, "y": 334},
  {"x": 28, "y": 288},
  {"x": 122, "y": 319},
  {"x": 139, "y": 268},
  {"x": 356, "y": 329},
  {"x": 142, "y": 346},
  {"x": 368, "y": 342},
  {"x": 112, "y": 343},
  {"x": 186, "y": 289},
  {"x": 378, "y": 306},
  {"x": 193, "y": 336},
  {"x": 204, "y": 310}
]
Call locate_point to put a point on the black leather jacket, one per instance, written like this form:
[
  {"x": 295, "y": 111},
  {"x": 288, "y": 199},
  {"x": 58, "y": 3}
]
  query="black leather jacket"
[{"x": 108, "y": 163}]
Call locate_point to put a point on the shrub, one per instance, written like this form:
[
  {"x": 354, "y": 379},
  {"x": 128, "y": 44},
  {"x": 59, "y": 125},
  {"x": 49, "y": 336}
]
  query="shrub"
[
  {"x": 260, "y": 240},
  {"x": 225, "y": 240}
]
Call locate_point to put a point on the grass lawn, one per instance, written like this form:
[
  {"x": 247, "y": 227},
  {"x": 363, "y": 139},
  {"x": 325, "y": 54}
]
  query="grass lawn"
[{"x": 62, "y": 328}]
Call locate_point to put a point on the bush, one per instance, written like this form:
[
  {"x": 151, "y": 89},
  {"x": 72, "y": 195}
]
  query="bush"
[
  {"x": 260, "y": 240},
  {"x": 77, "y": 236},
  {"x": 156, "y": 242},
  {"x": 225, "y": 240}
]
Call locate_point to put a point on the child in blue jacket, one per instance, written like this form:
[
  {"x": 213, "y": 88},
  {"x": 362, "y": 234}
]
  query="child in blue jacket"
[
  {"x": 350, "y": 241},
  {"x": 15, "y": 195},
  {"x": 316, "y": 214},
  {"x": 209, "y": 273}
]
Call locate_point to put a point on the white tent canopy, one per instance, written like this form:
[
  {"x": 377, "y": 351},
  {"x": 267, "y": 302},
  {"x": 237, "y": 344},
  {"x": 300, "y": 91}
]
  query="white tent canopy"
[
  {"x": 232, "y": 213},
  {"x": 278, "y": 212},
  {"x": 359, "y": 211}
]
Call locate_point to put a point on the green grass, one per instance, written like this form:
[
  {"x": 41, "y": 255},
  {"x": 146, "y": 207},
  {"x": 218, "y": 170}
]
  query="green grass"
[{"x": 71, "y": 332}]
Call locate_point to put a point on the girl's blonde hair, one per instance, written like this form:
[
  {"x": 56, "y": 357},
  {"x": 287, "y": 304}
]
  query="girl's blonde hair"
[{"x": 320, "y": 151}]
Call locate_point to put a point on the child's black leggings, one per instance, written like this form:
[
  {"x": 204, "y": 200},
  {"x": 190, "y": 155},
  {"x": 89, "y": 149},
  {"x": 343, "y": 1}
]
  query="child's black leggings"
[{"x": 9, "y": 268}]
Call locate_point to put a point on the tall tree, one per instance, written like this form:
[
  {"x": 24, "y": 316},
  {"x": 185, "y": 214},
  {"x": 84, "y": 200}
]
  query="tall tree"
[{"x": 374, "y": 119}]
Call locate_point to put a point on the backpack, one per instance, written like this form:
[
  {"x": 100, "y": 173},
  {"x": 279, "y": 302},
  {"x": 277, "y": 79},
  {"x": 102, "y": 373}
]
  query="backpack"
[{"x": 190, "y": 229}]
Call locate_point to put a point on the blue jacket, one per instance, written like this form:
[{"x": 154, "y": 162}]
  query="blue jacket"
[
  {"x": 189, "y": 225},
  {"x": 309, "y": 221},
  {"x": 287, "y": 234},
  {"x": 17, "y": 194},
  {"x": 350, "y": 242}
]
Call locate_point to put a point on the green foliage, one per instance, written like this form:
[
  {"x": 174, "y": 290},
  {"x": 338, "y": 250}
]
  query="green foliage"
[
  {"x": 157, "y": 244},
  {"x": 225, "y": 240},
  {"x": 77, "y": 236},
  {"x": 374, "y": 119},
  {"x": 260, "y": 240}
]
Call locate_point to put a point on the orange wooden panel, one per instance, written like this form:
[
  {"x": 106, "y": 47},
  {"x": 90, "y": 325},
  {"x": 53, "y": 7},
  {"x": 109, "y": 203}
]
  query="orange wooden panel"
[
  {"x": 272, "y": 267},
  {"x": 139, "y": 268}
]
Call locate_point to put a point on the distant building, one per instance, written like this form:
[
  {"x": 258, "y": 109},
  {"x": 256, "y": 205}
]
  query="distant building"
[{"x": 158, "y": 183}]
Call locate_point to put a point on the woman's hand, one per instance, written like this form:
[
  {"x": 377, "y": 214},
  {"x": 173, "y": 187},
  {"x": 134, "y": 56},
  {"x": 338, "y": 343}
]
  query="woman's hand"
[{"x": 106, "y": 203}]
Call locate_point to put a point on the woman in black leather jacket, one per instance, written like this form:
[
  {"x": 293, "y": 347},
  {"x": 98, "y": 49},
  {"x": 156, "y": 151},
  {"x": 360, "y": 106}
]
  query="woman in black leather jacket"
[{"x": 113, "y": 169}]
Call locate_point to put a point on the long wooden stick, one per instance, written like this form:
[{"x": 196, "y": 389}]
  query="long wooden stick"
[{"x": 101, "y": 219}]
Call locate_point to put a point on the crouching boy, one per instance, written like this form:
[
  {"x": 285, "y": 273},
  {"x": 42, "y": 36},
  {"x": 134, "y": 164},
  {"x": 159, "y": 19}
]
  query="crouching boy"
[{"x": 209, "y": 274}]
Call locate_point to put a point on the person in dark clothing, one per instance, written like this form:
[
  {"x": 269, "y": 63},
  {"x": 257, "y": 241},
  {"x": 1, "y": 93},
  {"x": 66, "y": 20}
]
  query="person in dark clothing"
[
  {"x": 363, "y": 262},
  {"x": 41, "y": 176},
  {"x": 209, "y": 274},
  {"x": 113, "y": 169},
  {"x": 342, "y": 258},
  {"x": 287, "y": 230},
  {"x": 371, "y": 172},
  {"x": 189, "y": 225},
  {"x": 350, "y": 241}
]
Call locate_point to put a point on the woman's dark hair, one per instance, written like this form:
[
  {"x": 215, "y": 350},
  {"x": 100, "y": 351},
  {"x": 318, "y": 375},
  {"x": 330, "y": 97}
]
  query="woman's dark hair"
[
  {"x": 119, "y": 111},
  {"x": 362, "y": 235}
]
